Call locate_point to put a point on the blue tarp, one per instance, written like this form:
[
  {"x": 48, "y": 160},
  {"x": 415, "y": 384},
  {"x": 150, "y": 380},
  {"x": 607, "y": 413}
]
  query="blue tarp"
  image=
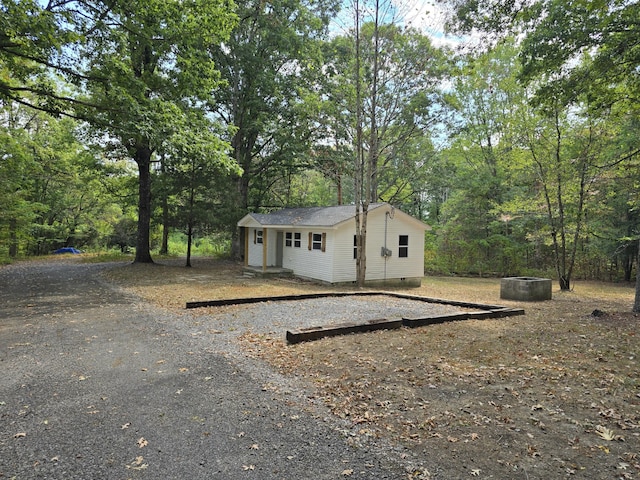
[{"x": 67, "y": 250}]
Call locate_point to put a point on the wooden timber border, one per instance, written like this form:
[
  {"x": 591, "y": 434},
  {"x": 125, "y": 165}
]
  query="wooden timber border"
[{"x": 480, "y": 311}]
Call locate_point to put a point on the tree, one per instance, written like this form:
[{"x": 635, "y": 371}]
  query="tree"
[
  {"x": 53, "y": 193},
  {"x": 383, "y": 89},
  {"x": 557, "y": 38},
  {"x": 269, "y": 64},
  {"x": 16, "y": 176},
  {"x": 196, "y": 165},
  {"x": 134, "y": 68},
  {"x": 156, "y": 57},
  {"x": 36, "y": 40},
  {"x": 485, "y": 101},
  {"x": 564, "y": 165},
  {"x": 362, "y": 170}
]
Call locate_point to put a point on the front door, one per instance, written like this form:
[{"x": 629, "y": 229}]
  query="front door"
[{"x": 279, "y": 249}]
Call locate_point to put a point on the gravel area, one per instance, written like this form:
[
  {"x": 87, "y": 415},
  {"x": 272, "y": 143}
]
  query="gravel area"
[
  {"x": 277, "y": 317},
  {"x": 98, "y": 384}
]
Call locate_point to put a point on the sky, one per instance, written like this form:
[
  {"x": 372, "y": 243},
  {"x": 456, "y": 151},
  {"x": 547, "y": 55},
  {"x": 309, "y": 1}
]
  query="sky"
[{"x": 426, "y": 15}]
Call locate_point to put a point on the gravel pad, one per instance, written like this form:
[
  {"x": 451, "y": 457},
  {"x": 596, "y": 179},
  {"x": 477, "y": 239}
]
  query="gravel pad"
[{"x": 271, "y": 317}]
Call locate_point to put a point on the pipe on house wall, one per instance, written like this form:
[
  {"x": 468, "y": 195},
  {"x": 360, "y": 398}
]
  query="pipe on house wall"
[{"x": 388, "y": 215}]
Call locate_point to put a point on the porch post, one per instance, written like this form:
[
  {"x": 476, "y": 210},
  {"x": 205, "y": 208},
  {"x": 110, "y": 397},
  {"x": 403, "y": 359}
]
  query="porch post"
[{"x": 264, "y": 249}]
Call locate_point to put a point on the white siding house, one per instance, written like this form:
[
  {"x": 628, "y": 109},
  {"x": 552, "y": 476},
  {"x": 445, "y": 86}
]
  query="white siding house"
[{"x": 318, "y": 243}]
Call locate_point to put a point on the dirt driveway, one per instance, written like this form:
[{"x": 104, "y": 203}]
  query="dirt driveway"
[{"x": 97, "y": 384}]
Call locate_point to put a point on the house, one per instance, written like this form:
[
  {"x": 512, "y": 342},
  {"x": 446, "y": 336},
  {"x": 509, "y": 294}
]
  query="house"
[{"x": 319, "y": 243}]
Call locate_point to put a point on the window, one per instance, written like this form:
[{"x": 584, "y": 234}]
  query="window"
[
  {"x": 403, "y": 246},
  {"x": 258, "y": 236},
  {"x": 297, "y": 239},
  {"x": 355, "y": 246},
  {"x": 317, "y": 241},
  {"x": 288, "y": 239}
]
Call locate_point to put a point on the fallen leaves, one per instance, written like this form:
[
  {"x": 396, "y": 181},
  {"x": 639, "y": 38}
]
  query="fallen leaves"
[
  {"x": 138, "y": 464},
  {"x": 608, "y": 434},
  {"x": 533, "y": 385},
  {"x": 142, "y": 442}
]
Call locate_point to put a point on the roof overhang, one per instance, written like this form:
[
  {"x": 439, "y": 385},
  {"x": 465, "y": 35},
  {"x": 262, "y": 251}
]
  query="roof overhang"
[{"x": 251, "y": 220}]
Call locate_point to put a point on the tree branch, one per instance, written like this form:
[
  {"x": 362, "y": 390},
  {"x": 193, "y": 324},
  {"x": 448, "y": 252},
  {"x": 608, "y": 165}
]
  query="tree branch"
[{"x": 46, "y": 63}]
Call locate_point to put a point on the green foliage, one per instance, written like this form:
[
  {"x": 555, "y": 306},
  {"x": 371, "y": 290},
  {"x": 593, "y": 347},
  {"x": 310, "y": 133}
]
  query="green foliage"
[
  {"x": 51, "y": 188},
  {"x": 132, "y": 69},
  {"x": 195, "y": 167},
  {"x": 212, "y": 246},
  {"x": 32, "y": 53},
  {"x": 270, "y": 64},
  {"x": 603, "y": 34},
  {"x": 405, "y": 104},
  {"x": 530, "y": 187}
]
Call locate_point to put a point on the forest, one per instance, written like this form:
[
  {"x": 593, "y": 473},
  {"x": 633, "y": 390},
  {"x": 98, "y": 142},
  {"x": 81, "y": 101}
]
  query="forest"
[{"x": 511, "y": 128}]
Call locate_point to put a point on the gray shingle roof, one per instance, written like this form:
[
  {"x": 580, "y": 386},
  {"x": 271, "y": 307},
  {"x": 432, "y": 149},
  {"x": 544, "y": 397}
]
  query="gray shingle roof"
[{"x": 311, "y": 216}]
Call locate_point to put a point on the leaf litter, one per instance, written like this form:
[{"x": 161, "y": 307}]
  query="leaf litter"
[{"x": 493, "y": 398}]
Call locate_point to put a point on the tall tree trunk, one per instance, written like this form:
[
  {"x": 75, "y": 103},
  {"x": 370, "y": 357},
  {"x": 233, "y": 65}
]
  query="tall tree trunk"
[
  {"x": 164, "y": 247},
  {"x": 143, "y": 160},
  {"x": 339, "y": 167},
  {"x": 242, "y": 155},
  {"x": 361, "y": 194},
  {"x": 13, "y": 238},
  {"x": 241, "y": 206},
  {"x": 372, "y": 165},
  {"x": 190, "y": 222},
  {"x": 189, "y": 240},
  {"x": 636, "y": 303}
]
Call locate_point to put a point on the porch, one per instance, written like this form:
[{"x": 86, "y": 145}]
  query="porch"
[{"x": 251, "y": 271}]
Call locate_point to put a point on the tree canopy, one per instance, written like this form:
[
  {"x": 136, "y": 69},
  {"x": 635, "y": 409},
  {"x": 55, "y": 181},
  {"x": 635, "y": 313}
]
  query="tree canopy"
[
  {"x": 522, "y": 154},
  {"x": 131, "y": 69}
]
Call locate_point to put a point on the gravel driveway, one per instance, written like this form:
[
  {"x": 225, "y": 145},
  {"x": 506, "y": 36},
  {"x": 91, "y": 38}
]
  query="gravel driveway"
[{"x": 96, "y": 384}]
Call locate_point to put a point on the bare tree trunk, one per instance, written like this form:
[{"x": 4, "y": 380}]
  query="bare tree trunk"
[
  {"x": 361, "y": 194},
  {"x": 636, "y": 303},
  {"x": 338, "y": 174},
  {"x": 189, "y": 240},
  {"x": 164, "y": 247},
  {"x": 372, "y": 165}
]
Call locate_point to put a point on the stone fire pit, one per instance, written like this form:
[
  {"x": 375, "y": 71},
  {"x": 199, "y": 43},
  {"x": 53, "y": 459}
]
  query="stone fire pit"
[{"x": 530, "y": 289}]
